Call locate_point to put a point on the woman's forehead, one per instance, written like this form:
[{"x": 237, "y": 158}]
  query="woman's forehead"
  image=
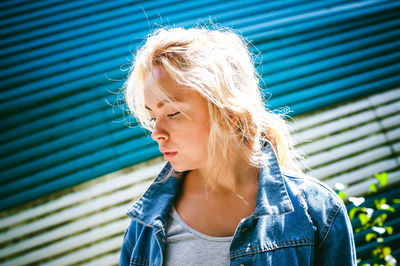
[{"x": 160, "y": 85}]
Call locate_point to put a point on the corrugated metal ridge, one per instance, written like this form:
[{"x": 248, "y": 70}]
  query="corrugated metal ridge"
[
  {"x": 145, "y": 27},
  {"x": 282, "y": 75},
  {"x": 125, "y": 26},
  {"x": 25, "y": 114},
  {"x": 12, "y": 11},
  {"x": 59, "y": 57},
  {"x": 386, "y": 46},
  {"x": 14, "y": 92}
]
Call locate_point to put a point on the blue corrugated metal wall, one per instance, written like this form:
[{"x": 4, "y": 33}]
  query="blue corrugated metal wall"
[{"x": 61, "y": 62}]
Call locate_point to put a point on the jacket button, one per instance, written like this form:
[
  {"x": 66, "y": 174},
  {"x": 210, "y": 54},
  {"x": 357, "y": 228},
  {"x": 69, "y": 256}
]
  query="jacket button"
[{"x": 244, "y": 230}]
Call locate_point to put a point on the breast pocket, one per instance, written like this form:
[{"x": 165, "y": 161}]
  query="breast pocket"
[
  {"x": 299, "y": 252},
  {"x": 136, "y": 261}
]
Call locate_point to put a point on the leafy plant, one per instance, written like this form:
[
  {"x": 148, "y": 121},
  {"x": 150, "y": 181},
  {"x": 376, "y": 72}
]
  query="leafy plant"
[{"x": 372, "y": 218}]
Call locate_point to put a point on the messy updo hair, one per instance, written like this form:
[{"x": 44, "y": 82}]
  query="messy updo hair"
[{"x": 217, "y": 64}]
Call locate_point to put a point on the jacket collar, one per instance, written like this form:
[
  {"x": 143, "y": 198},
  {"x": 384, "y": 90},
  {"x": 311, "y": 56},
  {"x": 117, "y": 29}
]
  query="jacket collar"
[
  {"x": 272, "y": 198},
  {"x": 153, "y": 207}
]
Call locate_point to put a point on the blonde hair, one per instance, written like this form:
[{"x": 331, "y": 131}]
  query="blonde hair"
[{"x": 217, "y": 64}]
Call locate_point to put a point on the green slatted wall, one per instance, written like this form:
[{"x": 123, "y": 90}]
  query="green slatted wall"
[{"x": 62, "y": 63}]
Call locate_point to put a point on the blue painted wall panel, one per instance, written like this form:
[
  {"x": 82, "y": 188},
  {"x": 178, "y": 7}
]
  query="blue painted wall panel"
[{"x": 61, "y": 70}]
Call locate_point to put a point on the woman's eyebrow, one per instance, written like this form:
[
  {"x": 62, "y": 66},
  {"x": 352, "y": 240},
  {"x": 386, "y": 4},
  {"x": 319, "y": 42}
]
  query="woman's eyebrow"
[{"x": 160, "y": 104}]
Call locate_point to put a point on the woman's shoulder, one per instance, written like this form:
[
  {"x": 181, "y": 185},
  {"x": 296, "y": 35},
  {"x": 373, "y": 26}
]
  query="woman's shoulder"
[
  {"x": 310, "y": 187},
  {"x": 317, "y": 199},
  {"x": 320, "y": 203}
]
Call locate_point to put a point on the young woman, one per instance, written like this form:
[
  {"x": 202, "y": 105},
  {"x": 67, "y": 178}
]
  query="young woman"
[{"x": 231, "y": 192}]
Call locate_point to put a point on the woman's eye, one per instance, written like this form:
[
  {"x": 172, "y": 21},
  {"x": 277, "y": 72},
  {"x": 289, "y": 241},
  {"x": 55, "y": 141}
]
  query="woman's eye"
[
  {"x": 174, "y": 114},
  {"x": 153, "y": 119}
]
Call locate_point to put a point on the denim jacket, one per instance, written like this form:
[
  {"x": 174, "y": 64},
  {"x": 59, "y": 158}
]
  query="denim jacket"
[{"x": 297, "y": 221}]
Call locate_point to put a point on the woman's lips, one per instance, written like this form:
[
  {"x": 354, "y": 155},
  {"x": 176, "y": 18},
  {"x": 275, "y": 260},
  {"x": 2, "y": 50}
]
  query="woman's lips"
[{"x": 169, "y": 155}]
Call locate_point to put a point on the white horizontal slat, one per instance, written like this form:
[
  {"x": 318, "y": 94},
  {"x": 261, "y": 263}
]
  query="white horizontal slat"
[
  {"x": 337, "y": 139},
  {"x": 345, "y": 150},
  {"x": 87, "y": 253},
  {"x": 364, "y": 172},
  {"x": 82, "y": 195},
  {"x": 107, "y": 260},
  {"x": 346, "y": 109},
  {"x": 396, "y": 147},
  {"x": 385, "y": 110},
  {"x": 335, "y": 126},
  {"x": 71, "y": 243},
  {"x": 363, "y": 187},
  {"x": 312, "y": 121},
  {"x": 381, "y": 98},
  {"x": 347, "y": 122},
  {"x": 352, "y": 134},
  {"x": 66, "y": 230},
  {"x": 350, "y": 163},
  {"x": 394, "y": 134},
  {"x": 390, "y": 121},
  {"x": 75, "y": 212}
]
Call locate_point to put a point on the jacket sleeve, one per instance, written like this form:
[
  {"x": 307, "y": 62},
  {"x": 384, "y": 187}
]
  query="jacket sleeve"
[{"x": 337, "y": 244}]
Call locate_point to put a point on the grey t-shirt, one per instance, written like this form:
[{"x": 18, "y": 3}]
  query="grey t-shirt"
[{"x": 186, "y": 246}]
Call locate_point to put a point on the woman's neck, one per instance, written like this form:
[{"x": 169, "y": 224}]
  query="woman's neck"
[{"x": 237, "y": 176}]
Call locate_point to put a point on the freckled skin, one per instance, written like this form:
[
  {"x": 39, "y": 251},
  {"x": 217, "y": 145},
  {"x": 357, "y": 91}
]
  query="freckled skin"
[{"x": 188, "y": 136}]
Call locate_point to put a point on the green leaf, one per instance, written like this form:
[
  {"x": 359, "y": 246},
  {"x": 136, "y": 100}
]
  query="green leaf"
[
  {"x": 379, "y": 202},
  {"x": 342, "y": 195},
  {"x": 373, "y": 188},
  {"x": 387, "y": 208},
  {"x": 396, "y": 201},
  {"x": 369, "y": 236},
  {"x": 383, "y": 178},
  {"x": 389, "y": 230},
  {"x": 379, "y": 220},
  {"x": 386, "y": 251},
  {"x": 364, "y": 219},
  {"x": 352, "y": 212}
]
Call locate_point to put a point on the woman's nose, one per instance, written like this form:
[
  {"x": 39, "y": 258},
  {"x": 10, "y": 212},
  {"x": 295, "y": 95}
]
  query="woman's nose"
[{"x": 159, "y": 133}]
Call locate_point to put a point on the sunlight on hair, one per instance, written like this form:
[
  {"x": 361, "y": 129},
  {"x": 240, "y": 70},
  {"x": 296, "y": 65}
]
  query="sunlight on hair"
[{"x": 217, "y": 64}]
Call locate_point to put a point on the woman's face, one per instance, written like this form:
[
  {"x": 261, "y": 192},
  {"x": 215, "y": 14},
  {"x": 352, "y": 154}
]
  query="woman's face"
[{"x": 182, "y": 138}]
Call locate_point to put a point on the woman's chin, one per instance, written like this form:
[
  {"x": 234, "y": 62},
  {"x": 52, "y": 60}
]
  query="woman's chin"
[{"x": 179, "y": 168}]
